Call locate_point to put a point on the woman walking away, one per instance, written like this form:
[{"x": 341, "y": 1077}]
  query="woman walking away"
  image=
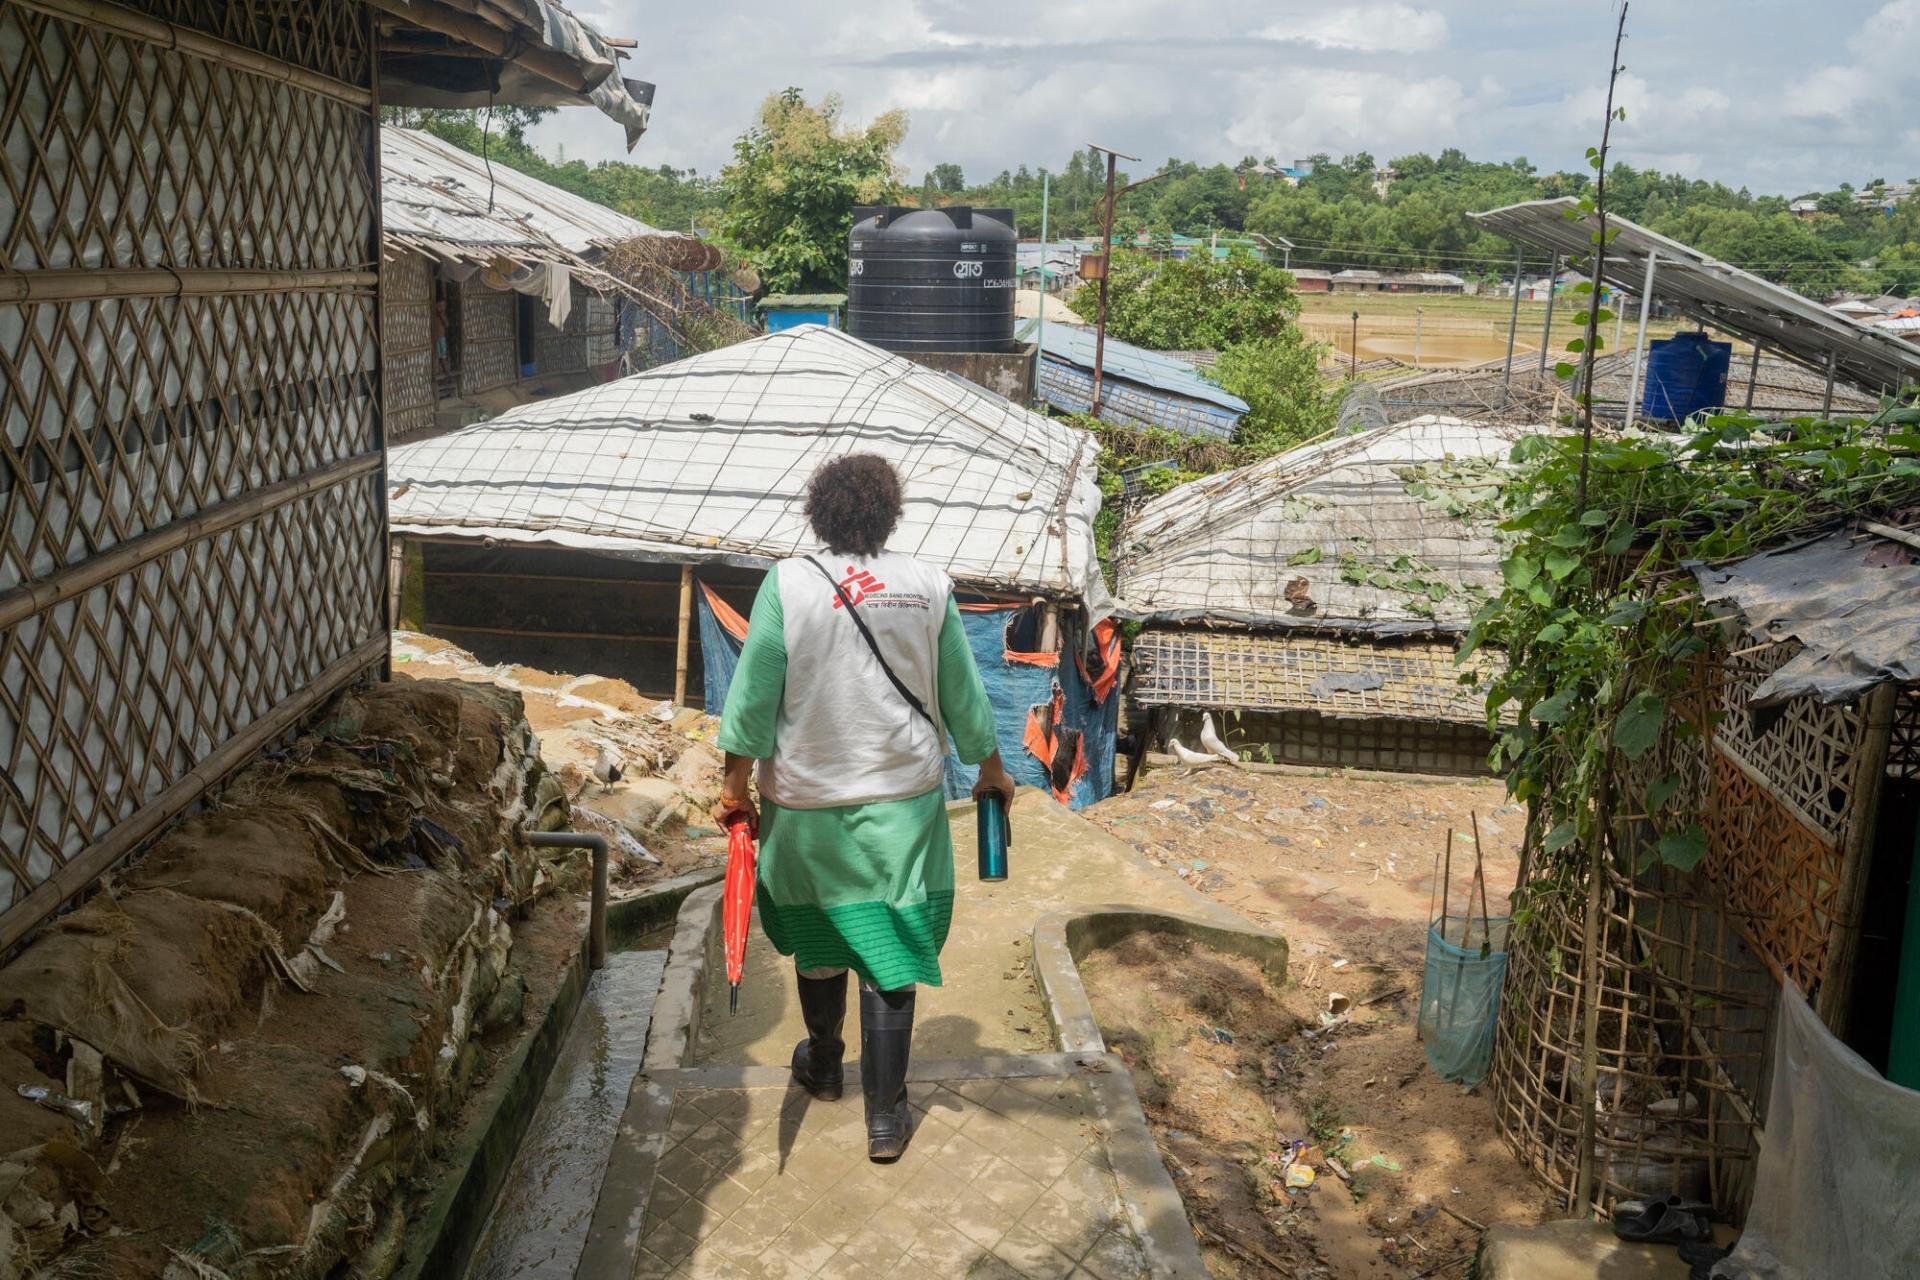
[{"x": 854, "y": 672}]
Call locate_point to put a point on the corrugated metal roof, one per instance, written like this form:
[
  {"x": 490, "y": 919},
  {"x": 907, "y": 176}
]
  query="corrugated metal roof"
[
  {"x": 1074, "y": 343},
  {"x": 1853, "y": 603},
  {"x": 1734, "y": 300},
  {"x": 1329, "y": 536},
  {"x": 707, "y": 459},
  {"x": 432, "y": 190}
]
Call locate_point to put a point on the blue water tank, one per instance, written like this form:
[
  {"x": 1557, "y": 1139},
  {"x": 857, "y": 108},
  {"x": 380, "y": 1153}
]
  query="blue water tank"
[{"x": 1686, "y": 374}]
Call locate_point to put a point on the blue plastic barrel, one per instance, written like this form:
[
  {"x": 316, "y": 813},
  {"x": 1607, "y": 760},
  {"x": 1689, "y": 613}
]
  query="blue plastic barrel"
[{"x": 1686, "y": 374}]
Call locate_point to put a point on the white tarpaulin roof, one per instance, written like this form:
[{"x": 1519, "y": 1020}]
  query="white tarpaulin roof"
[
  {"x": 1725, "y": 296},
  {"x": 1329, "y": 536},
  {"x": 708, "y": 458},
  {"x": 432, "y": 190}
]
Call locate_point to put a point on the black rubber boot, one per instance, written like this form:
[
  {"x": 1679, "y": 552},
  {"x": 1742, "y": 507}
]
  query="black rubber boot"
[
  {"x": 886, "y": 1039},
  {"x": 816, "y": 1060}
]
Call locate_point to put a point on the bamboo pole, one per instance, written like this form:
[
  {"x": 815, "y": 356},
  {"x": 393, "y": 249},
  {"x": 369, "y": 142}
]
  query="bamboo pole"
[
  {"x": 104, "y": 853},
  {"x": 680, "y": 640},
  {"x": 88, "y": 285},
  {"x": 124, "y": 22},
  {"x": 24, "y": 602},
  {"x": 1590, "y": 1009},
  {"x": 1843, "y": 937}
]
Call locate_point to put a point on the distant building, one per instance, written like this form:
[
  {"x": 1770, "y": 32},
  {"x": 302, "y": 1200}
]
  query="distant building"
[
  {"x": 1360, "y": 280},
  {"x": 1884, "y": 197},
  {"x": 1383, "y": 180},
  {"x": 1289, "y": 174},
  {"x": 1307, "y": 280},
  {"x": 1805, "y": 210}
]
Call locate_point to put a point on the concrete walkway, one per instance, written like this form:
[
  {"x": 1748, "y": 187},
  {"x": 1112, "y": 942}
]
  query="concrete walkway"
[
  {"x": 1026, "y": 1162},
  {"x": 990, "y": 1003}
]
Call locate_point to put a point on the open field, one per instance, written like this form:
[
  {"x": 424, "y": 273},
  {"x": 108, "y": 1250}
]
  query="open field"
[{"x": 1453, "y": 329}]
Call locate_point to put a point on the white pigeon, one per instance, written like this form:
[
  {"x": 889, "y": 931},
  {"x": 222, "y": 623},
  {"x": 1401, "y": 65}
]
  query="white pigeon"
[
  {"x": 1190, "y": 757},
  {"x": 607, "y": 767},
  {"x": 1211, "y": 741}
]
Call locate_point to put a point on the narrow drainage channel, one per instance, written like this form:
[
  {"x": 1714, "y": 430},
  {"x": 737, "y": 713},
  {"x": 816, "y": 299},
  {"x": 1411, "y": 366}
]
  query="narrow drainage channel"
[{"x": 540, "y": 1218}]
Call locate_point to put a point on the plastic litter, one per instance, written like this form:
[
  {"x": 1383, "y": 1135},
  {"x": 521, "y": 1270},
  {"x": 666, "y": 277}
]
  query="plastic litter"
[
  {"x": 1382, "y": 1162},
  {"x": 1299, "y": 1176}
]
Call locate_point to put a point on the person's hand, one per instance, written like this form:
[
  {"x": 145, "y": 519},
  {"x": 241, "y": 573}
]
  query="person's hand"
[
  {"x": 734, "y": 798},
  {"x": 994, "y": 777},
  {"x": 730, "y": 806}
]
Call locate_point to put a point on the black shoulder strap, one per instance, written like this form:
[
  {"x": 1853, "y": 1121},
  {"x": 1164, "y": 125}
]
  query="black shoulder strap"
[{"x": 846, "y": 603}]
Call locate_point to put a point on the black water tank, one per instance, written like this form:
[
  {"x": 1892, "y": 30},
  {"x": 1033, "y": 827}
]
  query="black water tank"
[{"x": 932, "y": 279}]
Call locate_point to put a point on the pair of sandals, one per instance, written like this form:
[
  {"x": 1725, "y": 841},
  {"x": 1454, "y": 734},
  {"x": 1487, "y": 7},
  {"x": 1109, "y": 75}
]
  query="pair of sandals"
[{"x": 1686, "y": 1223}]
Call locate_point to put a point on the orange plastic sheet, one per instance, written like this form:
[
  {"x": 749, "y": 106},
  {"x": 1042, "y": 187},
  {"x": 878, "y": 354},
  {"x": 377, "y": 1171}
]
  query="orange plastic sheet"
[
  {"x": 1106, "y": 643},
  {"x": 1042, "y": 741},
  {"x": 725, "y": 614}
]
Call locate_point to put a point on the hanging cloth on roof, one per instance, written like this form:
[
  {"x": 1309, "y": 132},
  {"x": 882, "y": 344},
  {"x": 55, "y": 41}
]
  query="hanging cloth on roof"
[{"x": 558, "y": 292}]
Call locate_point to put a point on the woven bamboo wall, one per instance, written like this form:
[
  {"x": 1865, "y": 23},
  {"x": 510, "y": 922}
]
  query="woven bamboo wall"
[
  {"x": 563, "y": 350},
  {"x": 1686, "y": 965},
  {"x": 1414, "y": 679},
  {"x": 489, "y": 338},
  {"x": 406, "y": 343},
  {"x": 188, "y": 289},
  {"x": 600, "y": 323}
]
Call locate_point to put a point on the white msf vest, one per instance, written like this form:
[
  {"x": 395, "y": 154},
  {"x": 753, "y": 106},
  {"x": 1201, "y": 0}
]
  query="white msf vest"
[{"x": 845, "y": 735}]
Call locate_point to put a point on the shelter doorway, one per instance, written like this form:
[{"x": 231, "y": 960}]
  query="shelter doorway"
[
  {"x": 447, "y": 337},
  {"x": 1883, "y": 1022}
]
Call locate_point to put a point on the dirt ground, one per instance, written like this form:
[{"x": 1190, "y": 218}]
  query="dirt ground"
[
  {"x": 1231, "y": 1070},
  {"x": 1454, "y": 329}
]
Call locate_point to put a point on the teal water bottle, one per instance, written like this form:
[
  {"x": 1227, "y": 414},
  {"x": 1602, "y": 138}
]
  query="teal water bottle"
[{"x": 995, "y": 830}]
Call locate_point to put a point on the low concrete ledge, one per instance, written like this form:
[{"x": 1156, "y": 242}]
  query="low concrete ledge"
[
  {"x": 442, "y": 1237},
  {"x": 1061, "y": 940},
  {"x": 676, "y": 1014}
]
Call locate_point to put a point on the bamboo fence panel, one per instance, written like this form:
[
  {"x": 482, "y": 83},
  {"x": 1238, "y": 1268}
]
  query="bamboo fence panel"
[
  {"x": 406, "y": 344},
  {"x": 489, "y": 338},
  {"x": 1689, "y": 964},
  {"x": 192, "y": 512}
]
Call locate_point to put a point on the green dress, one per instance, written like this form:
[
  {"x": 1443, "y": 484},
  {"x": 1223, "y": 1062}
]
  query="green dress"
[{"x": 867, "y": 887}]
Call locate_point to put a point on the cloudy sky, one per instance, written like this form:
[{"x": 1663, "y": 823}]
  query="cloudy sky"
[{"x": 1783, "y": 96}]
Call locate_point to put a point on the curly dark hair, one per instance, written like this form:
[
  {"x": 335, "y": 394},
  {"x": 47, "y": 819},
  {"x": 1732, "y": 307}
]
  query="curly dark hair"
[{"x": 854, "y": 503}]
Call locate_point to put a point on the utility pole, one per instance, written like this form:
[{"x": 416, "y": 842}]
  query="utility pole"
[
  {"x": 1353, "y": 348},
  {"x": 1417, "y": 313},
  {"x": 1106, "y": 264},
  {"x": 1040, "y": 337}
]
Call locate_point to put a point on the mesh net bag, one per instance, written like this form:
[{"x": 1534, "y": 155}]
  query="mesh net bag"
[{"x": 1460, "y": 994}]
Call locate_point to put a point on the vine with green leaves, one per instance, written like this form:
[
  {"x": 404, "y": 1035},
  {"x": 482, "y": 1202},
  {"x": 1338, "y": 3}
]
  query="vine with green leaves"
[{"x": 1599, "y": 615}]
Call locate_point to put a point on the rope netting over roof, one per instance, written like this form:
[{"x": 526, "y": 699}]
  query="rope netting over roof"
[
  {"x": 1382, "y": 532},
  {"x": 433, "y": 190},
  {"x": 707, "y": 459}
]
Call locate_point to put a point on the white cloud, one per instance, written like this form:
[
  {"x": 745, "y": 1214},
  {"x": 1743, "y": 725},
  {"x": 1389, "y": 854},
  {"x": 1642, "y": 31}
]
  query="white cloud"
[
  {"x": 992, "y": 84},
  {"x": 1369, "y": 28},
  {"x": 1884, "y": 52}
]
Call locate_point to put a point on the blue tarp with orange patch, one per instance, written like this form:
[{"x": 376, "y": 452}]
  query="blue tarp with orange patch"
[{"x": 1056, "y": 721}]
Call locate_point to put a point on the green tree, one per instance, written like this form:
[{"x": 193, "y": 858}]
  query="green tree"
[
  {"x": 948, "y": 178},
  {"x": 1287, "y": 400},
  {"x": 1202, "y": 302},
  {"x": 796, "y": 176}
]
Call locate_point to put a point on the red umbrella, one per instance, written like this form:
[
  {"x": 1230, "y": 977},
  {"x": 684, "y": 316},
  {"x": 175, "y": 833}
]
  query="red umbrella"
[{"x": 736, "y": 908}]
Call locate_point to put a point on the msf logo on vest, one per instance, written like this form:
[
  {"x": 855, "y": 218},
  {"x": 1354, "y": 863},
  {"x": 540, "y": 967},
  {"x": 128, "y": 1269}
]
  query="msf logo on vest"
[{"x": 858, "y": 584}]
